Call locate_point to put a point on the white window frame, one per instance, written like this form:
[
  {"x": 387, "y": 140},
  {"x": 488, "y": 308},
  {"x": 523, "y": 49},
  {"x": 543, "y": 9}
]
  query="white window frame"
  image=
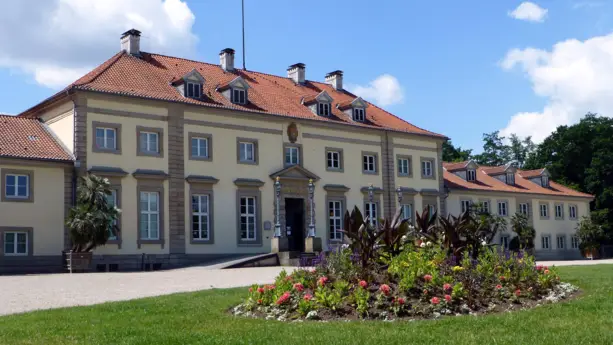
[
  {"x": 407, "y": 208},
  {"x": 561, "y": 239},
  {"x": 105, "y": 137},
  {"x": 545, "y": 244},
  {"x": 196, "y": 150},
  {"x": 147, "y": 147},
  {"x": 369, "y": 163},
  {"x": 431, "y": 209},
  {"x": 113, "y": 200},
  {"x": 504, "y": 241},
  {"x": 16, "y": 186},
  {"x": 243, "y": 150},
  {"x": 201, "y": 212},
  {"x": 426, "y": 168},
  {"x": 323, "y": 109},
  {"x": 545, "y": 181},
  {"x": 403, "y": 166},
  {"x": 505, "y": 208},
  {"x": 510, "y": 177},
  {"x": 151, "y": 214},
  {"x": 239, "y": 96},
  {"x": 359, "y": 114},
  {"x": 574, "y": 242},
  {"x": 331, "y": 159},
  {"x": 250, "y": 218},
  {"x": 524, "y": 209},
  {"x": 471, "y": 175},
  {"x": 485, "y": 206},
  {"x": 371, "y": 209},
  {"x": 465, "y": 205},
  {"x": 193, "y": 90},
  {"x": 293, "y": 154},
  {"x": 335, "y": 221},
  {"x": 572, "y": 211},
  {"x": 15, "y": 243},
  {"x": 559, "y": 211},
  {"x": 544, "y": 210}
]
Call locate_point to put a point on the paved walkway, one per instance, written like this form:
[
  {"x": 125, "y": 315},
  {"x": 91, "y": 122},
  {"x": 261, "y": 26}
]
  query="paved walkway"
[{"x": 20, "y": 294}]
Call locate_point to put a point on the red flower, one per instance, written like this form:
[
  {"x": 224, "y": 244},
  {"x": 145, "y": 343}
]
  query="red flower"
[
  {"x": 545, "y": 267},
  {"x": 546, "y": 271},
  {"x": 518, "y": 292},
  {"x": 428, "y": 278},
  {"x": 400, "y": 301},
  {"x": 270, "y": 287},
  {"x": 288, "y": 278},
  {"x": 322, "y": 281},
  {"x": 498, "y": 287},
  {"x": 425, "y": 291},
  {"x": 298, "y": 287},
  {"x": 539, "y": 267},
  {"x": 313, "y": 271},
  {"x": 250, "y": 289},
  {"x": 447, "y": 287},
  {"x": 502, "y": 278},
  {"x": 284, "y": 298},
  {"x": 308, "y": 297},
  {"x": 385, "y": 289},
  {"x": 435, "y": 300},
  {"x": 259, "y": 301},
  {"x": 363, "y": 284},
  {"x": 447, "y": 298},
  {"x": 260, "y": 290}
]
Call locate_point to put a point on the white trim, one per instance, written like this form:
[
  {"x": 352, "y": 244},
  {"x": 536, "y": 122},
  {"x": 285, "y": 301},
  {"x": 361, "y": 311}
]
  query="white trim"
[
  {"x": 105, "y": 138},
  {"x": 369, "y": 163},
  {"x": 330, "y": 158},
  {"x": 196, "y": 152},
  {"x": 16, "y": 186},
  {"x": 244, "y": 150},
  {"x": 293, "y": 153},
  {"x": 202, "y": 211},
  {"x": 147, "y": 147},
  {"x": 426, "y": 168},
  {"x": 335, "y": 221},
  {"x": 250, "y": 218},
  {"x": 150, "y": 213},
  {"x": 15, "y": 243}
]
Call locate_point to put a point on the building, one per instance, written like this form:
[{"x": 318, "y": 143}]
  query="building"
[{"x": 552, "y": 209}]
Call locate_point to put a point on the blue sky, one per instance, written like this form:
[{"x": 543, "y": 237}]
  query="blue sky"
[{"x": 447, "y": 56}]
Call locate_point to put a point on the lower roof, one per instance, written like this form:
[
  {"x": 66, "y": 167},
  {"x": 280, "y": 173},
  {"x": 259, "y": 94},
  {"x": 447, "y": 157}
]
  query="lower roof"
[{"x": 27, "y": 138}]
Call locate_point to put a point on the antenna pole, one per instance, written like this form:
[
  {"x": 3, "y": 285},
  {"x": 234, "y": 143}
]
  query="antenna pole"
[{"x": 243, "y": 14}]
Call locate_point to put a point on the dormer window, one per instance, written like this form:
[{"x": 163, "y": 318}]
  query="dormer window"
[
  {"x": 511, "y": 179},
  {"x": 545, "y": 181},
  {"x": 358, "y": 114},
  {"x": 190, "y": 85},
  {"x": 323, "y": 109},
  {"x": 236, "y": 91},
  {"x": 193, "y": 90},
  {"x": 471, "y": 175},
  {"x": 239, "y": 96},
  {"x": 319, "y": 104}
]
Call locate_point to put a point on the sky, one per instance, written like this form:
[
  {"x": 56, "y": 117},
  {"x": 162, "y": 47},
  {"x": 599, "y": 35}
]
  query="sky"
[{"x": 459, "y": 68}]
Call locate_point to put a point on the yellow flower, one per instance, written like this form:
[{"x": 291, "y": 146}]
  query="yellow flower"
[{"x": 458, "y": 268}]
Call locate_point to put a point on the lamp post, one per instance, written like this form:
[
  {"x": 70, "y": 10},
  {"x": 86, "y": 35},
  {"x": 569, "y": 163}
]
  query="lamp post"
[
  {"x": 370, "y": 192},
  {"x": 399, "y": 194},
  {"x": 311, "y": 202},
  {"x": 278, "y": 202}
]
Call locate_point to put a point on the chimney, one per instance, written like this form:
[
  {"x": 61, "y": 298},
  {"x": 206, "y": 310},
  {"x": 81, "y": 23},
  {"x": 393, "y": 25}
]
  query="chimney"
[
  {"x": 335, "y": 79},
  {"x": 297, "y": 73},
  {"x": 130, "y": 42},
  {"x": 226, "y": 59}
]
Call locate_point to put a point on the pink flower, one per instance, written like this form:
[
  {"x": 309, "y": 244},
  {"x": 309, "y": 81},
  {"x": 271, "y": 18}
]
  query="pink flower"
[
  {"x": 435, "y": 300},
  {"x": 284, "y": 298},
  {"x": 260, "y": 290},
  {"x": 313, "y": 271},
  {"x": 447, "y": 287},
  {"x": 308, "y": 297},
  {"x": 288, "y": 278},
  {"x": 447, "y": 298},
  {"x": 385, "y": 289},
  {"x": 400, "y": 301},
  {"x": 322, "y": 281},
  {"x": 425, "y": 291},
  {"x": 428, "y": 278},
  {"x": 363, "y": 284},
  {"x": 539, "y": 267},
  {"x": 298, "y": 287},
  {"x": 270, "y": 287},
  {"x": 498, "y": 287},
  {"x": 250, "y": 289},
  {"x": 518, "y": 292},
  {"x": 546, "y": 271}
]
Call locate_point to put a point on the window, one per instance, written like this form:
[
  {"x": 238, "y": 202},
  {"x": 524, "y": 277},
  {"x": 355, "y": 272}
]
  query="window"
[
  {"x": 572, "y": 211},
  {"x": 510, "y": 178},
  {"x": 523, "y": 209},
  {"x": 471, "y": 175},
  {"x": 544, "y": 210},
  {"x": 370, "y": 163},
  {"x": 335, "y": 220},
  {"x": 17, "y": 186},
  {"x": 358, "y": 114},
  {"x": 403, "y": 167},
  {"x": 323, "y": 109},
  {"x": 246, "y": 152},
  {"x": 248, "y": 218},
  {"x": 200, "y": 217},
  {"x": 106, "y": 138},
  {"x": 431, "y": 209},
  {"x": 239, "y": 96},
  {"x": 15, "y": 243},
  {"x": 112, "y": 201},
  {"x": 503, "y": 208},
  {"x": 574, "y": 242},
  {"x": 149, "y": 215},
  {"x": 371, "y": 213},
  {"x": 561, "y": 241},
  {"x": 193, "y": 90},
  {"x": 545, "y": 239},
  {"x": 504, "y": 241},
  {"x": 559, "y": 211},
  {"x": 200, "y": 147},
  {"x": 149, "y": 142},
  {"x": 292, "y": 155},
  {"x": 426, "y": 169},
  {"x": 485, "y": 206},
  {"x": 407, "y": 212},
  {"x": 333, "y": 160},
  {"x": 545, "y": 181},
  {"x": 465, "y": 205}
]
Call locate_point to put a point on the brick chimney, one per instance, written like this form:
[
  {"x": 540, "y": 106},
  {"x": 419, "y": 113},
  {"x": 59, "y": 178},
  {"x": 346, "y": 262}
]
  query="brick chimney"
[
  {"x": 130, "y": 42},
  {"x": 226, "y": 59},
  {"x": 335, "y": 79},
  {"x": 297, "y": 72}
]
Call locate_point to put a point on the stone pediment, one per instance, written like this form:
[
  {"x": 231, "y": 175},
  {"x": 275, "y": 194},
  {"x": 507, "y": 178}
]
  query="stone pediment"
[{"x": 294, "y": 172}]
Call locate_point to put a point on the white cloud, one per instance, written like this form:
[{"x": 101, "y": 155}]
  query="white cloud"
[
  {"x": 384, "y": 90},
  {"x": 530, "y": 12},
  {"x": 575, "y": 78},
  {"x": 57, "y": 41}
]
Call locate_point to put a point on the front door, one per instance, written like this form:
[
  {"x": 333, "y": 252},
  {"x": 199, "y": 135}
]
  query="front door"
[{"x": 294, "y": 223}]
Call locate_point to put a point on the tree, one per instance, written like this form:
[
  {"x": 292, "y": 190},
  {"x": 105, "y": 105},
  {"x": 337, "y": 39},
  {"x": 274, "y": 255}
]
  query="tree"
[
  {"x": 91, "y": 220},
  {"x": 525, "y": 233},
  {"x": 520, "y": 149},
  {"x": 495, "y": 152},
  {"x": 453, "y": 154},
  {"x": 590, "y": 234}
]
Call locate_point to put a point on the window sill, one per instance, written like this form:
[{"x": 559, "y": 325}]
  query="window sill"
[
  {"x": 17, "y": 255},
  {"x": 198, "y": 158},
  {"x": 150, "y": 154},
  {"x": 104, "y": 150},
  {"x": 194, "y": 241},
  {"x": 247, "y": 162},
  {"x": 17, "y": 199},
  {"x": 428, "y": 177},
  {"x": 144, "y": 241},
  {"x": 370, "y": 172},
  {"x": 339, "y": 170},
  {"x": 249, "y": 244},
  {"x": 405, "y": 175}
]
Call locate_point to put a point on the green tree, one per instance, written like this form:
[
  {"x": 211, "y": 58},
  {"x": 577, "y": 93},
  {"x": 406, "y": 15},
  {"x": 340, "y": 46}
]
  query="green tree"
[
  {"x": 525, "y": 233},
  {"x": 590, "y": 234},
  {"x": 520, "y": 149},
  {"x": 453, "y": 154},
  {"x": 495, "y": 152}
]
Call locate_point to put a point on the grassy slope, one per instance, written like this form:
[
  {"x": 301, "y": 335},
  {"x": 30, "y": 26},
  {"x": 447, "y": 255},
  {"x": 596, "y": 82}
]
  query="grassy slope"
[{"x": 200, "y": 318}]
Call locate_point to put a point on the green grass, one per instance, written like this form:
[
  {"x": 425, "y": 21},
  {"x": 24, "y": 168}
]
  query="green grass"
[{"x": 201, "y": 318}]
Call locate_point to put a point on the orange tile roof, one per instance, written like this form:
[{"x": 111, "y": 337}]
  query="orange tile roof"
[
  {"x": 531, "y": 173},
  {"x": 487, "y": 183},
  {"x": 151, "y": 75},
  {"x": 29, "y": 139},
  {"x": 455, "y": 165}
]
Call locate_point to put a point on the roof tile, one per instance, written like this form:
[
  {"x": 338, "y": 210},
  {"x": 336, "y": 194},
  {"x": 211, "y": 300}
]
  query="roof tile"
[{"x": 29, "y": 139}]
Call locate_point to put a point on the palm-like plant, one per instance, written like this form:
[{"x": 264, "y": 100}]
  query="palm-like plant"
[
  {"x": 393, "y": 233},
  {"x": 362, "y": 237},
  {"x": 525, "y": 232},
  {"x": 453, "y": 228},
  {"x": 91, "y": 220},
  {"x": 425, "y": 223}
]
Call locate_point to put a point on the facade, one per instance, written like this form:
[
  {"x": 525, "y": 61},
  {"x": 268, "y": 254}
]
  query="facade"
[{"x": 552, "y": 209}]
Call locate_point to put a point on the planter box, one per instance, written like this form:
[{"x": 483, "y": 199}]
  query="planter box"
[
  {"x": 591, "y": 254},
  {"x": 78, "y": 262}
]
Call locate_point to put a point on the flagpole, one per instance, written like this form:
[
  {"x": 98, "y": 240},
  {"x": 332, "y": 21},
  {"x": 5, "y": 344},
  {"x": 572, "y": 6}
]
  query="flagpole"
[{"x": 243, "y": 14}]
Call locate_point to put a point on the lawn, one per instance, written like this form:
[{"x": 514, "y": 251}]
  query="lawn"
[{"x": 201, "y": 318}]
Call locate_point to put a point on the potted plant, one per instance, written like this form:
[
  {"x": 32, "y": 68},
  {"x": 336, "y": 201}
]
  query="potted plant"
[
  {"x": 590, "y": 236},
  {"x": 90, "y": 221}
]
